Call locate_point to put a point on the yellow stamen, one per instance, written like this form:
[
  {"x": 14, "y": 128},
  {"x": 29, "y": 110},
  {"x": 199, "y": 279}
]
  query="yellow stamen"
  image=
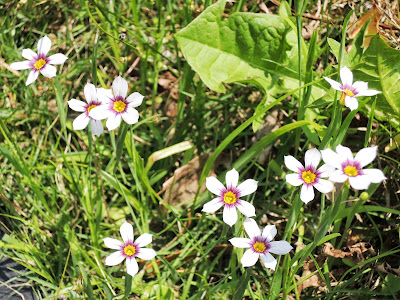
[
  {"x": 39, "y": 64},
  {"x": 349, "y": 93},
  {"x": 129, "y": 250},
  {"x": 308, "y": 176},
  {"x": 351, "y": 171},
  {"x": 259, "y": 247},
  {"x": 91, "y": 107},
  {"x": 119, "y": 106},
  {"x": 230, "y": 198}
]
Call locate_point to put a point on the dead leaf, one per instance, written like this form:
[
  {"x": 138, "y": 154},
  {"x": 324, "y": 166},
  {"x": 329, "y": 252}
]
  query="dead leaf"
[
  {"x": 354, "y": 253},
  {"x": 386, "y": 268},
  {"x": 315, "y": 280},
  {"x": 169, "y": 82}
]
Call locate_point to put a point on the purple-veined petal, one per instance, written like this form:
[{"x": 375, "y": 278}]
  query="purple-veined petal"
[
  {"x": 80, "y": 122},
  {"x": 331, "y": 158},
  {"x": 120, "y": 87},
  {"x": 97, "y": 127},
  {"x": 351, "y": 102},
  {"x": 113, "y": 243},
  {"x": 366, "y": 155},
  {"x": 344, "y": 153},
  {"x": 280, "y": 247},
  {"x": 360, "y": 182},
  {"x": 28, "y": 54},
  {"x": 346, "y": 76},
  {"x": 375, "y": 175},
  {"x": 21, "y": 65},
  {"x": 246, "y": 208},
  {"x": 213, "y": 205},
  {"x": 214, "y": 185},
  {"x": 57, "y": 59},
  {"x": 100, "y": 112},
  {"x": 230, "y": 215},
  {"x": 33, "y": 75},
  {"x": 293, "y": 179},
  {"x": 135, "y": 99},
  {"x": 44, "y": 45},
  {"x": 240, "y": 242},
  {"x": 325, "y": 170},
  {"x": 338, "y": 176},
  {"x": 232, "y": 178},
  {"x": 312, "y": 158},
  {"x": 114, "y": 259},
  {"x": 49, "y": 71},
  {"x": 251, "y": 228},
  {"x": 104, "y": 95},
  {"x": 144, "y": 240},
  {"x": 307, "y": 193},
  {"x": 324, "y": 186},
  {"x": 146, "y": 254},
  {"x": 249, "y": 258},
  {"x": 131, "y": 266},
  {"x": 293, "y": 164},
  {"x": 126, "y": 231},
  {"x": 334, "y": 84},
  {"x": 90, "y": 92},
  {"x": 247, "y": 187},
  {"x": 77, "y": 105},
  {"x": 131, "y": 116},
  {"x": 268, "y": 260},
  {"x": 269, "y": 232},
  {"x": 113, "y": 121}
]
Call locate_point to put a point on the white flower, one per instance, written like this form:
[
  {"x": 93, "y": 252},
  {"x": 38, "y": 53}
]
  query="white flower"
[
  {"x": 115, "y": 105},
  {"x": 309, "y": 176},
  {"x": 349, "y": 89},
  {"x": 129, "y": 249},
  {"x": 39, "y": 62},
  {"x": 230, "y": 196},
  {"x": 260, "y": 245},
  {"x": 83, "y": 119},
  {"x": 351, "y": 168}
]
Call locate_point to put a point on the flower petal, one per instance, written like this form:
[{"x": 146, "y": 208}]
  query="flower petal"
[
  {"x": 33, "y": 75},
  {"x": 21, "y": 65},
  {"x": 269, "y": 232},
  {"x": 346, "y": 76},
  {"x": 268, "y": 260},
  {"x": 144, "y": 240},
  {"x": 307, "y": 193},
  {"x": 344, "y": 153},
  {"x": 240, "y": 242},
  {"x": 293, "y": 179},
  {"x": 362, "y": 89},
  {"x": 338, "y": 176},
  {"x": 280, "y": 247},
  {"x": 331, "y": 158},
  {"x": 99, "y": 112},
  {"x": 334, "y": 84},
  {"x": 366, "y": 156},
  {"x": 77, "y": 105},
  {"x": 113, "y": 121},
  {"x": 213, "y": 205},
  {"x": 104, "y": 95},
  {"x": 360, "y": 182},
  {"x": 325, "y": 170},
  {"x": 230, "y": 215},
  {"x": 113, "y": 243},
  {"x": 80, "y": 122},
  {"x": 247, "y": 187},
  {"x": 126, "y": 231},
  {"x": 57, "y": 59},
  {"x": 28, "y": 54},
  {"x": 135, "y": 99},
  {"x": 249, "y": 258},
  {"x": 293, "y": 164},
  {"x": 231, "y": 178},
  {"x": 131, "y": 116},
  {"x": 312, "y": 158},
  {"x": 375, "y": 175},
  {"x": 324, "y": 186},
  {"x": 146, "y": 254},
  {"x": 44, "y": 45},
  {"x": 251, "y": 227},
  {"x": 114, "y": 259},
  {"x": 90, "y": 92},
  {"x": 351, "y": 102},
  {"x": 49, "y": 71},
  {"x": 214, "y": 185},
  {"x": 246, "y": 208},
  {"x": 120, "y": 87},
  {"x": 131, "y": 266},
  {"x": 97, "y": 127}
]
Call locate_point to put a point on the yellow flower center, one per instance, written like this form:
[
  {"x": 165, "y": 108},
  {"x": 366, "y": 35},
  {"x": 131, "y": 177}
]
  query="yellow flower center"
[
  {"x": 129, "y": 250},
  {"x": 119, "y": 106},
  {"x": 91, "y": 107},
  {"x": 259, "y": 247},
  {"x": 351, "y": 171},
  {"x": 349, "y": 93},
  {"x": 230, "y": 198},
  {"x": 308, "y": 176},
  {"x": 39, "y": 64}
]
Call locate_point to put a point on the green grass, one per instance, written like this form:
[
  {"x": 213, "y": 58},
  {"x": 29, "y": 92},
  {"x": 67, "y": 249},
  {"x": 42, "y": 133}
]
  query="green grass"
[{"x": 63, "y": 192}]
